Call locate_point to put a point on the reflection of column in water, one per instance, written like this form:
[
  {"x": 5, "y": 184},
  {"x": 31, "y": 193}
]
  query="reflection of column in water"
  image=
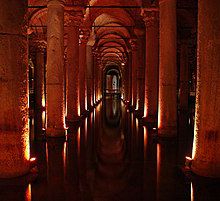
[
  {"x": 78, "y": 141},
  {"x": 55, "y": 177},
  {"x": 64, "y": 158},
  {"x": 28, "y": 193},
  {"x": 192, "y": 191},
  {"x": 145, "y": 143}
]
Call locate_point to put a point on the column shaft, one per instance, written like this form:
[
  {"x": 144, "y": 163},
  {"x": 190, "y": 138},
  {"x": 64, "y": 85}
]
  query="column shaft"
[
  {"x": 167, "y": 116},
  {"x": 55, "y": 70},
  {"x": 39, "y": 93},
  {"x": 14, "y": 129},
  {"x": 90, "y": 79},
  {"x": 134, "y": 73},
  {"x": 73, "y": 105},
  {"x": 82, "y": 74},
  {"x": 206, "y": 152},
  {"x": 151, "y": 66}
]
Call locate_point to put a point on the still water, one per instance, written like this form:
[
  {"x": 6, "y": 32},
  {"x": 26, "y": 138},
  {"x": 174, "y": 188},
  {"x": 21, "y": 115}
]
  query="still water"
[{"x": 111, "y": 157}]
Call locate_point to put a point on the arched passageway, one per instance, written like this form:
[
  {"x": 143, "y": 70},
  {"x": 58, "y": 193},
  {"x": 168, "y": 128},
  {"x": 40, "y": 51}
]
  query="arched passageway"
[{"x": 110, "y": 99}]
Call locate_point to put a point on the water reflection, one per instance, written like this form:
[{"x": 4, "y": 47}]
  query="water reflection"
[{"x": 112, "y": 157}]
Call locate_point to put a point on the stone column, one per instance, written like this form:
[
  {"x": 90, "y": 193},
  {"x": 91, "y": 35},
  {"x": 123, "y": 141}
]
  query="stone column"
[
  {"x": 14, "y": 128},
  {"x": 167, "y": 114},
  {"x": 90, "y": 77},
  {"x": 206, "y": 152},
  {"x": 73, "y": 104},
  {"x": 39, "y": 86},
  {"x": 83, "y": 70},
  {"x": 130, "y": 77},
  {"x": 134, "y": 66},
  {"x": 140, "y": 72},
  {"x": 184, "y": 76},
  {"x": 55, "y": 71},
  {"x": 152, "y": 64}
]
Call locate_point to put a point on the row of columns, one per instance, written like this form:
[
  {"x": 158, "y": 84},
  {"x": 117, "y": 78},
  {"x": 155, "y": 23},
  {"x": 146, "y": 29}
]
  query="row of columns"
[{"x": 14, "y": 131}]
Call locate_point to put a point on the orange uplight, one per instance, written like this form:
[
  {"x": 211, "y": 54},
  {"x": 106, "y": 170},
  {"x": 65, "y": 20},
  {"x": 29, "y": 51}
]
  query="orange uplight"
[
  {"x": 44, "y": 119},
  {"x": 26, "y": 142},
  {"x": 159, "y": 118},
  {"x": 43, "y": 101},
  {"x": 196, "y": 126}
]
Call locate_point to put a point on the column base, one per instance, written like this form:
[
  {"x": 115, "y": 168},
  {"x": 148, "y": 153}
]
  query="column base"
[
  {"x": 14, "y": 154},
  {"x": 150, "y": 119},
  {"x": 206, "y": 168},
  {"x": 56, "y": 132},
  {"x": 167, "y": 132}
]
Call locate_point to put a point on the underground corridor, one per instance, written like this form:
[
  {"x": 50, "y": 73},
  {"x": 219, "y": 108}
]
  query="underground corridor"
[{"x": 109, "y": 100}]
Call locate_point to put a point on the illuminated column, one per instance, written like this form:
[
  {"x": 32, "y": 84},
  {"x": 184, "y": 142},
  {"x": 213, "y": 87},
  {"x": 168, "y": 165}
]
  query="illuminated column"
[
  {"x": 140, "y": 72},
  {"x": 152, "y": 64},
  {"x": 55, "y": 70},
  {"x": 134, "y": 66},
  {"x": 206, "y": 152},
  {"x": 73, "y": 105},
  {"x": 94, "y": 76},
  {"x": 184, "y": 78},
  {"x": 39, "y": 79},
  {"x": 167, "y": 115},
  {"x": 130, "y": 77},
  {"x": 90, "y": 86},
  {"x": 14, "y": 129},
  {"x": 83, "y": 70}
]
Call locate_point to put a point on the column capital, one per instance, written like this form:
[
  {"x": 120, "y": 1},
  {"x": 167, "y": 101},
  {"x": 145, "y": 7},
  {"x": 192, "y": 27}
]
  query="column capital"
[
  {"x": 38, "y": 45},
  {"x": 84, "y": 35},
  {"x": 55, "y": 3},
  {"x": 150, "y": 16},
  {"x": 133, "y": 43},
  {"x": 73, "y": 16}
]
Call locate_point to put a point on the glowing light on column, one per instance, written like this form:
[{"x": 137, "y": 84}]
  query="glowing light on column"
[
  {"x": 43, "y": 101},
  {"x": 26, "y": 141},
  {"x": 197, "y": 120},
  {"x": 137, "y": 105},
  {"x": 159, "y": 118},
  {"x": 44, "y": 120}
]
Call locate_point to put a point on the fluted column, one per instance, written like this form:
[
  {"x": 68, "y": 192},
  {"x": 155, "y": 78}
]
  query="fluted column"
[
  {"x": 152, "y": 64},
  {"x": 73, "y": 104},
  {"x": 55, "y": 71},
  {"x": 14, "y": 128},
  {"x": 167, "y": 115},
  {"x": 83, "y": 70},
  {"x": 39, "y": 86},
  {"x": 134, "y": 66},
  {"x": 206, "y": 152}
]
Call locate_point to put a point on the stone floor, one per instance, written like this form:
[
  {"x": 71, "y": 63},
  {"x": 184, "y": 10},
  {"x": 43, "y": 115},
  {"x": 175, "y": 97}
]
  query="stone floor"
[{"x": 112, "y": 157}]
